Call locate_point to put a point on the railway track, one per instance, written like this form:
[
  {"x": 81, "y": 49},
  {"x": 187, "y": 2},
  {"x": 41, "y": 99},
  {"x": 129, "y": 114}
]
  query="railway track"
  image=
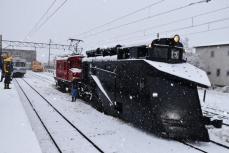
[
  {"x": 41, "y": 77},
  {"x": 198, "y": 148},
  {"x": 219, "y": 116},
  {"x": 192, "y": 146},
  {"x": 60, "y": 114},
  {"x": 217, "y": 110},
  {"x": 201, "y": 149},
  {"x": 43, "y": 124}
]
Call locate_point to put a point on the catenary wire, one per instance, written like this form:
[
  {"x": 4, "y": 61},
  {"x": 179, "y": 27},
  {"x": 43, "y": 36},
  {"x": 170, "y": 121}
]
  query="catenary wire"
[
  {"x": 171, "y": 22},
  {"x": 40, "y": 19},
  {"x": 147, "y": 18},
  {"x": 50, "y": 16},
  {"x": 122, "y": 17},
  {"x": 184, "y": 28}
]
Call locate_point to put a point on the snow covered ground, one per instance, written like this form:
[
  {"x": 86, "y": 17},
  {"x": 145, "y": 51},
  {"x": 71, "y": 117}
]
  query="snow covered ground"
[
  {"x": 16, "y": 133},
  {"x": 216, "y": 105},
  {"x": 109, "y": 133}
]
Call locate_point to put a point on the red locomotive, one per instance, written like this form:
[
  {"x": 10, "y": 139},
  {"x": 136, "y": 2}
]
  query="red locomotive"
[{"x": 68, "y": 68}]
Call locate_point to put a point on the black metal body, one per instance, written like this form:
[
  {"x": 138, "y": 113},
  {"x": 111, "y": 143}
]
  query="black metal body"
[
  {"x": 137, "y": 92},
  {"x": 148, "y": 98}
]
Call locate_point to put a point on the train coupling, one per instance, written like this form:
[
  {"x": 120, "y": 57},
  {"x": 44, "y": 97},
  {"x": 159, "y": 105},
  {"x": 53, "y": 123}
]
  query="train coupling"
[{"x": 216, "y": 123}]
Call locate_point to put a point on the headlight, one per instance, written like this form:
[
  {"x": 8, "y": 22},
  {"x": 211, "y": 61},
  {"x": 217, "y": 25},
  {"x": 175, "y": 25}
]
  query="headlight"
[{"x": 171, "y": 115}]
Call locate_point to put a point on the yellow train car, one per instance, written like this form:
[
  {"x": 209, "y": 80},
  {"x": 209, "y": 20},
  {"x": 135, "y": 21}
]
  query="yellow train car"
[{"x": 37, "y": 67}]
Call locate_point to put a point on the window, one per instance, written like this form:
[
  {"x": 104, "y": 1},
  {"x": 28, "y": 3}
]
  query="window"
[
  {"x": 209, "y": 73},
  {"x": 227, "y": 53},
  {"x": 227, "y": 73},
  {"x": 218, "y": 72},
  {"x": 212, "y": 53}
]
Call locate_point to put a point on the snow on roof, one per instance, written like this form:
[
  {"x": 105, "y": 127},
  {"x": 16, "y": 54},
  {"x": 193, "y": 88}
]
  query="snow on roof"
[
  {"x": 96, "y": 79},
  {"x": 183, "y": 70},
  {"x": 76, "y": 70},
  {"x": 67, "y": 57},
  {"x": 101, "y": 58},
  {"x": 212, "y": 44}
]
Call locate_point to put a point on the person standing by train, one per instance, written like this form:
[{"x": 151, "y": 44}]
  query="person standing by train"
[
  {"x": 1, "y": 68},
  {"x": 8, "y": 69},
  {"x": 74, "y": 89}
]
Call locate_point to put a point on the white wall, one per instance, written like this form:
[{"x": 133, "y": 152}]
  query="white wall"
[{"x": 219, "y": 61}]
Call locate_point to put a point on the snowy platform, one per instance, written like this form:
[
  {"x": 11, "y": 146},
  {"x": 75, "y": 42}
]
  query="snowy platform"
[{"x": 16, "y": 134}]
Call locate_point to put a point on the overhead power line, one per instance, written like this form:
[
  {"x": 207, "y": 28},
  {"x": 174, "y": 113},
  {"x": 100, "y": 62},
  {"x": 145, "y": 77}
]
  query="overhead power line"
[
  {"x": 197, "y": 25},
  {"x": 147, "y": 18},
  {"x": 171, "y": 22},
  {"x": 204, "y": 31},
  {"x": 184, "y": 34},
  {"x": 172, "y": 30},
  {"x": 122, "y": 17},
  {"x": 50, "y": 16},
  {"x": 38, "y": 45},
  {"x": 40, "y": 19}
]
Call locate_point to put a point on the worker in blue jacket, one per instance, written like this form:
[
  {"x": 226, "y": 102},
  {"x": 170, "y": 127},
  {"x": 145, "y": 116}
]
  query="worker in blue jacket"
[{"x": 74, "y": 90}]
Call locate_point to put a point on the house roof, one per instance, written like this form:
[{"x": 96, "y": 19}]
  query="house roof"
[{"x": 212, "y": 44}]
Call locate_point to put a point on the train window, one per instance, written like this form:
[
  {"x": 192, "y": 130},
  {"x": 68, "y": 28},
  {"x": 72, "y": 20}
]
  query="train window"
[
  {"x": 218, "y": 72},
  {"x": 19, "y": 64},
  {"x": 212, "y": 53},
  {"x": 227, "y": 73},
  {"x": 208, "y": 73}
]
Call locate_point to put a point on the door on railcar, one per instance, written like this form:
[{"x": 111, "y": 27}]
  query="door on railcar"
[
  {"x": 60, "y": 69},
  {"x": 65, "y": 70}
]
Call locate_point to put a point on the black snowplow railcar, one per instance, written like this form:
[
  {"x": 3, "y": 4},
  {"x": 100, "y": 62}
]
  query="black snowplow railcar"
[{"x": 149, "y": 86}]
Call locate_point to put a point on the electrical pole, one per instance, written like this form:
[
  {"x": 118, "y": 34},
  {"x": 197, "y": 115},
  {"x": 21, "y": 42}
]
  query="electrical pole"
[{"x": 49, "y": 53}]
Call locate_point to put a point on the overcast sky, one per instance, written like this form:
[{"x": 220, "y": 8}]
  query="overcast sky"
[{"x": 77, "y": 16}]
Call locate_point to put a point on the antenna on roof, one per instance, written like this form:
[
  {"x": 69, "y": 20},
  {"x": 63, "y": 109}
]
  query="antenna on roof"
[
  {"x": 158, "y": 36},
  {"x": 75, "y": 43}
]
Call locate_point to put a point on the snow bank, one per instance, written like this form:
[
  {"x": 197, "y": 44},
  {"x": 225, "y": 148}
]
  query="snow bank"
[
  {"x": 16, "y": 133},
  {"x": 101, "y": 58}
]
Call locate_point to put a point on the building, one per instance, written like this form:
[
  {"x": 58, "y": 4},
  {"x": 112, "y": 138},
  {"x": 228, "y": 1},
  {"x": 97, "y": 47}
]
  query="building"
[
  {"x": 28, "y": 55},
  {"x": 215, "y": 59}
]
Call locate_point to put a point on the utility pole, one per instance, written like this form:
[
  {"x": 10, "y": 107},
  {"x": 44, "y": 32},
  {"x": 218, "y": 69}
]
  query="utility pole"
[{"x": 49, "y": 53}]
